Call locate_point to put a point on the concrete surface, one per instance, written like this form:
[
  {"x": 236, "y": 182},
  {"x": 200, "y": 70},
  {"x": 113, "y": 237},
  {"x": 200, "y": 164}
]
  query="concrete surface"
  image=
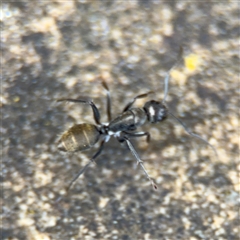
[{"x": 57, "y": 49}]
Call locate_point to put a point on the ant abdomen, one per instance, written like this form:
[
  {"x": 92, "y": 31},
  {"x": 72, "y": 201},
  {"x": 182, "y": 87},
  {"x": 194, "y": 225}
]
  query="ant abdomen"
[{"x": 79, "y": 137}]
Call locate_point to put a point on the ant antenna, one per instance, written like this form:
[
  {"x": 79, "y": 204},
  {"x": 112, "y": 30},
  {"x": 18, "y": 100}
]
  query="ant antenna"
[
  {"x": 166, "y": 80},
  {"x": 194, "y": 134}
]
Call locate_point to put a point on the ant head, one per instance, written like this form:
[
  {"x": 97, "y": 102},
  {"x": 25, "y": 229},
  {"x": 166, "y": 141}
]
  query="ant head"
[{"x": 156, "y": 111}]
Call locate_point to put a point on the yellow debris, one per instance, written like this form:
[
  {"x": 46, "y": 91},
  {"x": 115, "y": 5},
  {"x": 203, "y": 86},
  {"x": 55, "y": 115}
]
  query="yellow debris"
[{"x": 192, "y": 62}]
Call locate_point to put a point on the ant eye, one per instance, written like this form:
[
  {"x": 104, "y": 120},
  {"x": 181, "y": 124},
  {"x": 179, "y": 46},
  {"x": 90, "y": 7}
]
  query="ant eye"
[{"x": 155, "y": 111}]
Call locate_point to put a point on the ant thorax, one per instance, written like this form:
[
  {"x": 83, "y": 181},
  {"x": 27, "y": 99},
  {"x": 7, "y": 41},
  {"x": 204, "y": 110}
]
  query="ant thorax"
[{"x": 128, "y": 121}]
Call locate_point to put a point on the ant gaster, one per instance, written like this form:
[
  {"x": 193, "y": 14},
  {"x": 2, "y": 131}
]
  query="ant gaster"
[{"x": 84, "y": 136}]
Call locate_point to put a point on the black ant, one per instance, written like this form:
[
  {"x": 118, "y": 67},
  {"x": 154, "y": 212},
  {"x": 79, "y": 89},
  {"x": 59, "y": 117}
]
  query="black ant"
[{"x": 84, "y": 136}]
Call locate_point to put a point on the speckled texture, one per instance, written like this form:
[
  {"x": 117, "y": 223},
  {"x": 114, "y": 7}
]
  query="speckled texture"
[{"x": 57, "y": 49}]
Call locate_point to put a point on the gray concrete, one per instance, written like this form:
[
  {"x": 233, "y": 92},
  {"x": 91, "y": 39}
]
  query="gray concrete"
[{"x": 57, "y": 49}]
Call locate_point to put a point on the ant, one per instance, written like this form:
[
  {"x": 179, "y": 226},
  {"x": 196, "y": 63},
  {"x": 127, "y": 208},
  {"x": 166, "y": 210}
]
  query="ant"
[{"x": 84, "y": 136}]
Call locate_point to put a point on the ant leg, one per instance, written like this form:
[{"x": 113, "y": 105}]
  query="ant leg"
[
  {"x": 87, "y": 165},
  {"x": 139, "y": 161},
  {"x": 129, "y": 105},
  {"x": 108, "y": 101},
  {"x": 139, "y": 134},
  {"x": 166, "y": 80},
  {"x": 84, "y": 168},
  {"x": 96, "y": 113},
  {"x": 194, "y": 134}
]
